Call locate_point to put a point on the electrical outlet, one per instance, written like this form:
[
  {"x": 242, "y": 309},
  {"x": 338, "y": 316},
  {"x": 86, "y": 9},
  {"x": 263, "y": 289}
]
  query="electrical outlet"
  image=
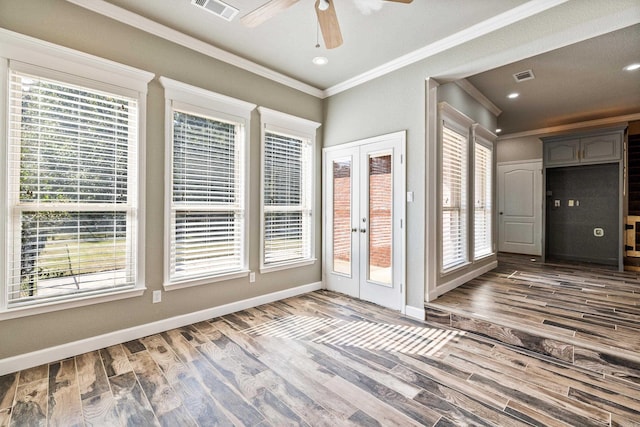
[
  {"x": 157, "y": 296},
  {"x": 252, "y": 277}
]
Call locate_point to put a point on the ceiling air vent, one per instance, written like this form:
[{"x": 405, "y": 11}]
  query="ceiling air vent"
[
  {"x": 524, "y": 76},
  {"x": 217, "y": 7}
]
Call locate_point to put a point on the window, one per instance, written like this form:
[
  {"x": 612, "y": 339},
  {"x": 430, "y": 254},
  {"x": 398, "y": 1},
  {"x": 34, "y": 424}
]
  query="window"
[
  {"x": 454, "y": 184},
  {"x": 483, "y": 209},
  {"x": 287, "y": 190},
  {"x": 206, "y": 187},
  {"x": 72, "y": 187}
]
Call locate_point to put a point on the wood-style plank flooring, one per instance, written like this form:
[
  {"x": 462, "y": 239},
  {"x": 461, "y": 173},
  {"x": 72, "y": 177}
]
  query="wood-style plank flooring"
[
  {"x": 320, "y": 359},
  {"x": 583, "y": 314}
]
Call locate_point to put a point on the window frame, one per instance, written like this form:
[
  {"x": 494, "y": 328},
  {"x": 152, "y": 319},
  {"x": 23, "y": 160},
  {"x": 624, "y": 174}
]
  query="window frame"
[
  {"x": 51, "y": 61},
  {"x": 191, "y": 99},
  {"x": 299, "y": 128},
  {"x": 456, "y": 121},
  {"x": 486, "y": 139}
]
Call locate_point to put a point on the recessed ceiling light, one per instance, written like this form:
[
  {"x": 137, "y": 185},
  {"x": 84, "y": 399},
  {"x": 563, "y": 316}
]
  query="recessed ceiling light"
[
  {"x": 320, "y": 60},
  {"x": 498, "y": 130},
  {"x": 513, "y": 95},
  {"x": 632, "y": 67}
]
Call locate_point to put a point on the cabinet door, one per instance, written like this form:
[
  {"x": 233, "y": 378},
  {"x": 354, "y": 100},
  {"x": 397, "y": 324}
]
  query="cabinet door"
[
  {"x": 601, "y": 148},
  {"x": 561, "y": 153}
]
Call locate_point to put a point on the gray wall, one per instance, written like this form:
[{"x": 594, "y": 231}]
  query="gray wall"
[
  {"x": 62, "y": 23},
  {"x": 519, "y": 149}
]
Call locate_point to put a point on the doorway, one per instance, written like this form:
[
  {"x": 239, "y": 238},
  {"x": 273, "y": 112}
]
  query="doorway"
[{"x": 364, "y": 219}]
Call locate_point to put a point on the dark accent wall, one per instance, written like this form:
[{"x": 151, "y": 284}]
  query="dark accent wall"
[{"x": 594, "y": 190}]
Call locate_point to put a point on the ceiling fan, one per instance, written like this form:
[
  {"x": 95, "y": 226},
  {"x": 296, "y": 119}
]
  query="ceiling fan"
[{"x": 327, "y": 18}]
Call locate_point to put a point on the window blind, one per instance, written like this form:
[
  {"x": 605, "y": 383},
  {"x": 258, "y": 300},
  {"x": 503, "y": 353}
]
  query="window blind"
[
  {"x": 207, "y": 208},
  {"x": 483, "y": 210},
  {"x": 72, "y": 176},
  {"x": 287, "y": 198},
  {"x": 454, "y": 190}
]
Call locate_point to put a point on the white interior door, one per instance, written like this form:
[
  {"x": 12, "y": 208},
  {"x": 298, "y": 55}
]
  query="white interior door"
[
  {"x": 364, "y": 219},
  {"x": 520, "y": 208}
]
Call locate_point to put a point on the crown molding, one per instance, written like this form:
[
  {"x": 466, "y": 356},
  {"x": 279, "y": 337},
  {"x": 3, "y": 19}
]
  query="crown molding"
[
  {"x": 573, "y": 126},
  {"x": 487, "y": 26},
  {"x": 478, "y": 96},
  {"x": 126, "y": 17}
]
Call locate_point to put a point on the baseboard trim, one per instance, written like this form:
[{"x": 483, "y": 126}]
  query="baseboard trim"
[
  {"x": 48, "y": 355},
  {"x": 446, "y": 287},
  {"x": 415, "y": 312}
]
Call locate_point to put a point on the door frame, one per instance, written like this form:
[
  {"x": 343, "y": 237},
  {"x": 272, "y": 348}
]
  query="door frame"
[{"x": 402, "y": 215}]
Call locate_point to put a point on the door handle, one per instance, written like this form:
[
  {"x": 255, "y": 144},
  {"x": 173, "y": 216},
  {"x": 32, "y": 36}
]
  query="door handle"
[
  {"x": 363, "y": 230},
  {"x": 354, "y": 230},
  {"x": 500, "y": 213}
]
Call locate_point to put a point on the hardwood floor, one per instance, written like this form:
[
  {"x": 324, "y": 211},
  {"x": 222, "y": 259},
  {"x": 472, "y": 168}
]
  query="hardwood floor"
[
  {"x": 582, "y": 314},
  {"x": 321, "y": 359}
]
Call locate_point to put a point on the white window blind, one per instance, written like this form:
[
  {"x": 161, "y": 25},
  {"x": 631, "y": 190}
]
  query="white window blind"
[
  {"x": 287, "y": 195},
  {"x": 483, "y": 210},
  {"x": 207, "y": 201},
  {"x": 72, "y": 168},
  {"x": 454, "y": 197}
]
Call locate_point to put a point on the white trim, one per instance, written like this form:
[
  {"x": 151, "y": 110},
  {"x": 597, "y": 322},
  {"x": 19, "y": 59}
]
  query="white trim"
[
  {"x": 446, "y": 287},
  {"x": 288, "y": 265},
  {"x": 67, "y": 304},
  {"x": 271, "y": 117},
  {"x": 432, "y": 213},
  {"x": 402, "y": 134},
  {"x": 415, "y": 312},
  {"x": 30, "y": 50},
  {"x": 301, "y": 129},
  {"x": 197, "y": 281},
  {"x": 480, "y": 29},
  {"x": 473, "y": 92},
  {"x": 52, "y": 354},
  {"x": 149, "y": 26},
  {"x": 573, "y": 126},
  {"x": 520, "y": 162},
  {"x": 204, "y": 98},
  {"x": 195, "y": 100}
]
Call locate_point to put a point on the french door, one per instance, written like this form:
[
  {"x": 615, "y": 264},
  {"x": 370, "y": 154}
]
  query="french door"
[{"x": 364, "y": 213}]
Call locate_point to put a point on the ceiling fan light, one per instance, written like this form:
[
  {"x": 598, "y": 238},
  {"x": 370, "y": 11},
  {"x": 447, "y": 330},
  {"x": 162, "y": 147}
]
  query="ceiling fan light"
[{"x": 323, "y": 5}]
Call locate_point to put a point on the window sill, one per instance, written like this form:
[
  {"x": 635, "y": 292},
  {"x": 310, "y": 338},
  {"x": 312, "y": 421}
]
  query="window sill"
[
  {"x": 287, "y": 265},
  {"x": 483, "y": 257},
  {"x": 188, "y": 283},
  {"x": 30, "y": 310},
  {"x": 455, "y": 268}
]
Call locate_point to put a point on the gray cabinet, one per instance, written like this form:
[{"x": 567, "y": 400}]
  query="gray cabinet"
[{"x": 596, "y": 147}]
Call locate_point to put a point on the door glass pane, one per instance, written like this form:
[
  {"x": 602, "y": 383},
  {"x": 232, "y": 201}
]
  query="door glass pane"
[
  {"x": 342, "y": 216},
  {"x": 380, "y": 223}
]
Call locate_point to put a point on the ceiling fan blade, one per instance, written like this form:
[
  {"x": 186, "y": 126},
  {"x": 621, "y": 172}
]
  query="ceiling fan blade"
[
  {"x": 401, "y": 1},
  {"x": 266, "y": 12},
  {"x": 329, "y": 26}
]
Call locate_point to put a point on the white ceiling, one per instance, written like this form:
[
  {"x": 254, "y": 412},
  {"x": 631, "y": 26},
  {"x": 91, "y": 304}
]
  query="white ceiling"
[{"x": 579, "y": 82}]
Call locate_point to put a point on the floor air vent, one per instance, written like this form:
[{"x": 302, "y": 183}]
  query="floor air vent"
[
  {"x": 524, "y": 76},
  {"x": 217, "y": 7}
]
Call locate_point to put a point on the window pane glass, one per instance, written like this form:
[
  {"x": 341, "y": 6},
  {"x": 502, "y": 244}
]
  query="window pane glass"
[
  {"x": 454, "y": 207},
  {"x": 207, "y": 232},
  {"x": 483, "y": 210},
  {"x": 380, "y": 219},
  {"x": 286, "y": 238},
  {"x": 204, "y": 160},
  {"x": 74, "y": 142},
  {"x": 65, "y": 253},
  {"x": 206, "y": 242},
  {"x": 287, "y": 198},
  {"x": 72, "y": 157},
  {"x": 342, "y": 216}
]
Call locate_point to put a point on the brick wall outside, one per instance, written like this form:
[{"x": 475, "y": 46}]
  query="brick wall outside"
[{"x": 379, "y": 227}]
